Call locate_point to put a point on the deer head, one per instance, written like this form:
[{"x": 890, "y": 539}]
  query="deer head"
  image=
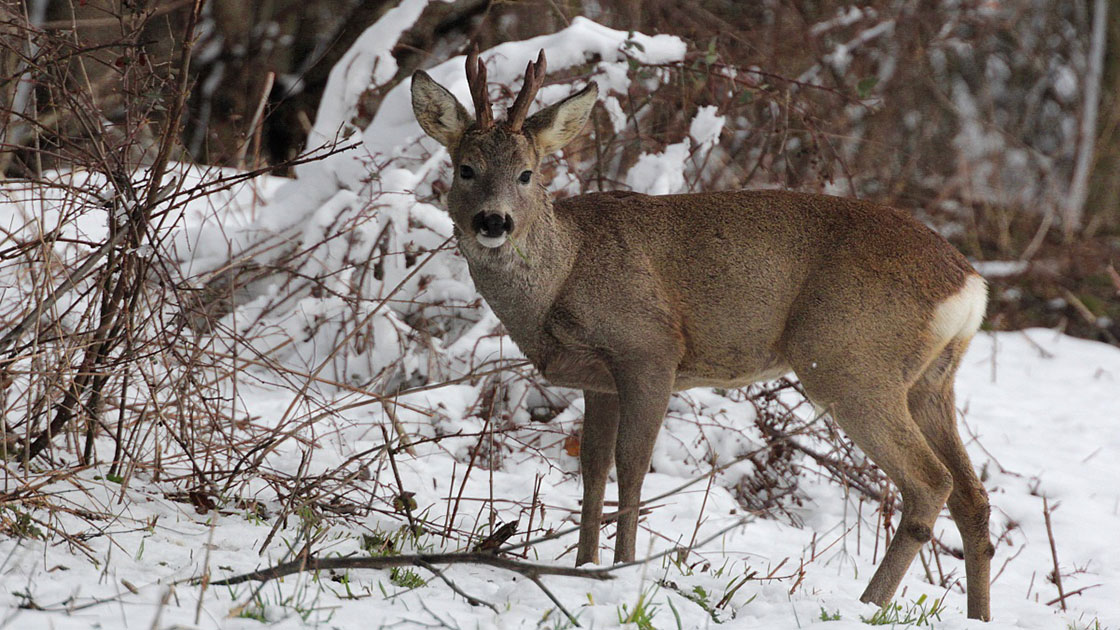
[{"x": 497, "y": 193}]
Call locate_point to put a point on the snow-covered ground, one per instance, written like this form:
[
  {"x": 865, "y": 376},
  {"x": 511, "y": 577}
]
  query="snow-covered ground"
[
  {"x": 1041, "y": 407},
  {"x": 1041, "y": 411}
]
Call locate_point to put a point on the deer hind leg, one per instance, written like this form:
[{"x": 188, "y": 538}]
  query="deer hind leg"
[
  {"x": 931, "y": 402},
  {"x": 877, "y": 419},
  {"x": 596, "y": 453}
]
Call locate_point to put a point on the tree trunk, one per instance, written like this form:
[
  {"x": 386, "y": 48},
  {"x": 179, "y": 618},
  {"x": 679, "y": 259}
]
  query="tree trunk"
[{"x": 1102, "y": 206}]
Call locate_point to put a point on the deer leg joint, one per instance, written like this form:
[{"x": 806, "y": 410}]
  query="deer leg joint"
[{"x": 919, "y": 532}]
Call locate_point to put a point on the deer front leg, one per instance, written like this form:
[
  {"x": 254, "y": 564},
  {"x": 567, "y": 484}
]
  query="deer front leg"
[
  {"x": 643, "y": 395},
  {"x": 596, "y": 453}
]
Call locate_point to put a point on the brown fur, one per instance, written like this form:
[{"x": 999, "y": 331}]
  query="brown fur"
[{"x": 631, "y": 297}]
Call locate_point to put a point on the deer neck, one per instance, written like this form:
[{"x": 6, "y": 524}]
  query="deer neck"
[{"x": 521, "y": 279}]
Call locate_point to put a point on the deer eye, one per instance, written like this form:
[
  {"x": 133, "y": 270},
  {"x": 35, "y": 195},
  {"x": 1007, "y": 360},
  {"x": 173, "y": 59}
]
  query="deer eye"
[
  {"x": 466, "y": 172},
  {"x": 525, "y": 177}
]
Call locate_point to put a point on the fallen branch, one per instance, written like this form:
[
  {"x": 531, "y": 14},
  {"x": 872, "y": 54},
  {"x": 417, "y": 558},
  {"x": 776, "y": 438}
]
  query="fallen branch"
[
  {"x": 425, "y": 561},
  {"x": 313, "y": 563}
]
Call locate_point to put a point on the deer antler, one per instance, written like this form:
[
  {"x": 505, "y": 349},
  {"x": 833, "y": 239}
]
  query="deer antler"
[
  {"x": 476, "y": 79},
  {"x": 534, "y": 79}
]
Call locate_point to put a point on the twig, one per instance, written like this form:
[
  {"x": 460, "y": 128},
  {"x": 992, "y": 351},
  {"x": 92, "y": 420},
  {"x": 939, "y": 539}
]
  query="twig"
[
  {"x": 567, "y": 22},
  {"x": 205, "y": 583},
  {"x": 470, "y": 467},
  {"x": 1042, "y": 352},
  {"x": 1088, "y": 315},
  {"x": 390, "y": 407},
  {"x": 703, "y": 504},
  {"x": 1054, "y": 553},
  {"x": 1039, "y": 236},
  {"x": 828, "y": 463},
  {"x": 1115, "y": 277},
  {"x": 256, "y": 121},
  {"x": 69, "y": 283},
  {"x": 404, "y": 498},
  {"x": 108, "y": 22},
  {"x": 533, "y": 503},
  {"x": 1070, "y": 594},
  {"x": 925, "y": 566},
  {"x": 646, "y": 503},
  {"x": 1005, "y": 563},
  {"x": 163, "y": 601},
  {"x": 472, "y": 600},
  {"x": 424, "y": 388},
  {"x": 536, "y": 580},
  {"x": 361, "y": 325}
]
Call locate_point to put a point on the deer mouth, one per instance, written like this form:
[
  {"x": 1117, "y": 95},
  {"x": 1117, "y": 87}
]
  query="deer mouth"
[
  {"x": 491, "y": 241},
  {"x": 491, "y": 228}
]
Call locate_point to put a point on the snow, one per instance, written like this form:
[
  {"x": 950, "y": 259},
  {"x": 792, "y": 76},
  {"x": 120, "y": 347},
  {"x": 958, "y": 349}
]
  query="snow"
[
  {"x": 660, "y": 173},
  {"x": 368, "y": 64},
  {"x": 844, "y": 17},
  {"x": 706, "y": 125},
  {"x": 617, "y": 115},
  {"x": 1065, "y": 83},
  {"x": 1028, "y": 432},
  {"x": 1038, "y": 410},
  {"x": 1001, "y": 268}
]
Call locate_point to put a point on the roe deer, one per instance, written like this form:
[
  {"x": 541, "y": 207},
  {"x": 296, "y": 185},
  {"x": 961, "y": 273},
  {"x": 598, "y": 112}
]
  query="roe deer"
[{"x": 631, "y": 297}]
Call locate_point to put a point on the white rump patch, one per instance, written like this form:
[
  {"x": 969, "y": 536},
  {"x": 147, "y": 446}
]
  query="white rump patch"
[
  {"x": 491, "y": 241},
  {"x": 959, "y": 316}
]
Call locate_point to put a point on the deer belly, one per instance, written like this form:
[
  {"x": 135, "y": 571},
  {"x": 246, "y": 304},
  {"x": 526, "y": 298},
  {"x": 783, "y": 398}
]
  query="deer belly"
[{"x": 732, "y": 370}]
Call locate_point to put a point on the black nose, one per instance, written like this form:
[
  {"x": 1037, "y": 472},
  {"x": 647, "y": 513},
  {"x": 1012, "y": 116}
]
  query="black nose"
[{"x": 492, "y": 224}]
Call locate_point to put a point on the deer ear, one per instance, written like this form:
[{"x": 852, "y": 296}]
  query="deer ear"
[
  {"x": 440, "y": 115},
  {"x": 556, "y": 125}
]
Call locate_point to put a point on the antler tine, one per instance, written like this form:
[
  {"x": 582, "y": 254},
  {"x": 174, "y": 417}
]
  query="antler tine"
[
  {"x": 534, "y": 79},
  {"x": 476, "y": 79}
]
